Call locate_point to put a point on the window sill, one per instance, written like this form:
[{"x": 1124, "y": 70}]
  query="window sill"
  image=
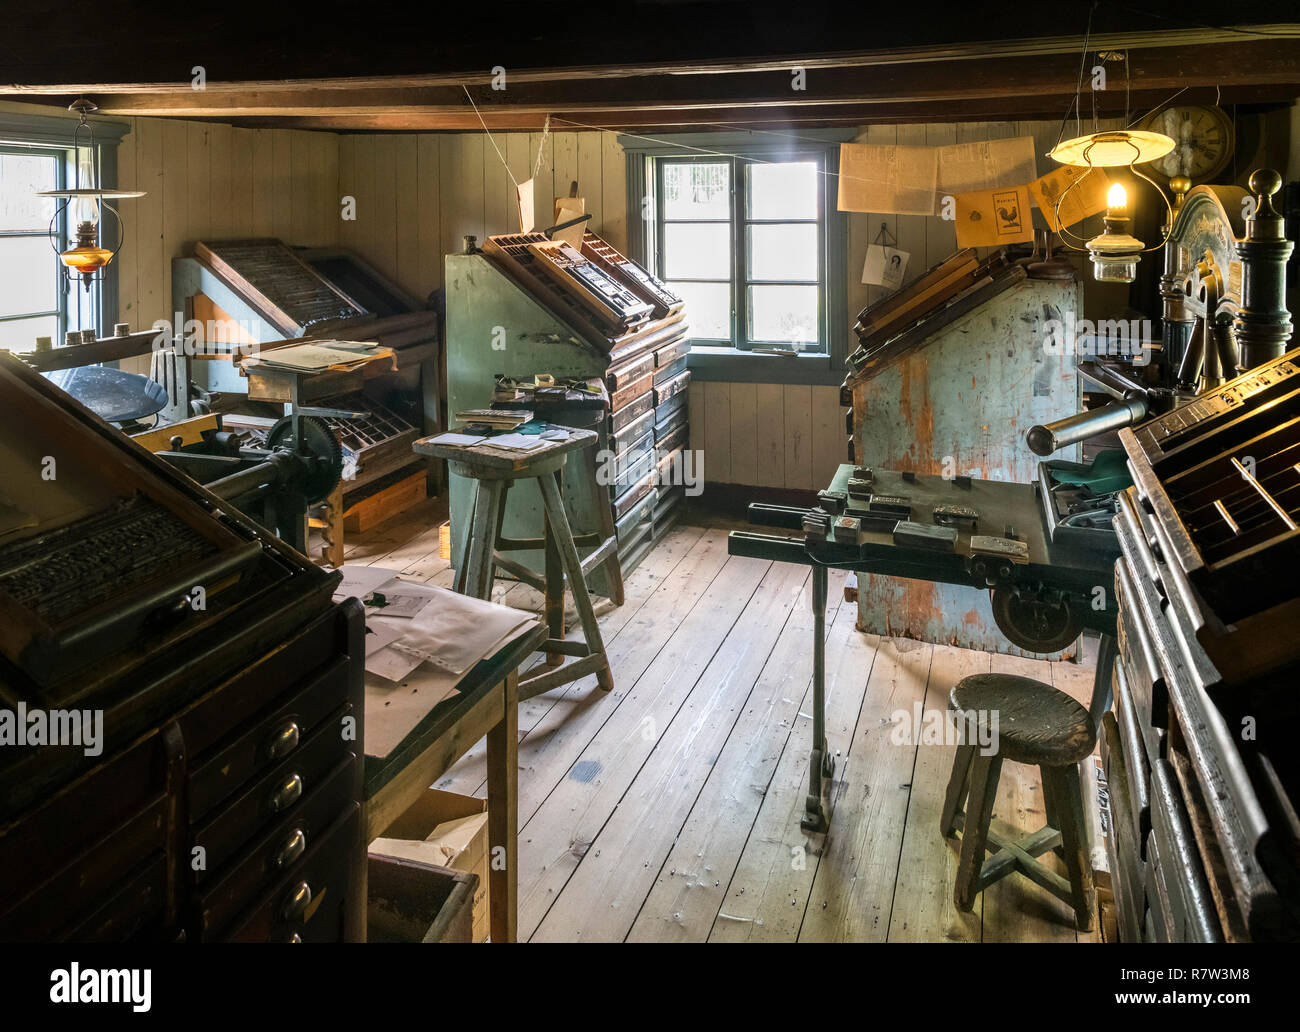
[{"x": 730, "y": 365}]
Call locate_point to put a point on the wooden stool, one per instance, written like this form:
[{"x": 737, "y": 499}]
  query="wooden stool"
[
  {"x": 484, "y": 543},
  {"x": 1039, "y": 725}
]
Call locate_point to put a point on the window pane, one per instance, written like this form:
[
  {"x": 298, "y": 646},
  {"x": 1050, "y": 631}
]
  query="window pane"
[
  {"x": 697, "y": 250},
  {"x": 708, "y": 308},
  {"x": 787, "y": 252},
  {"x": 782, "y": 314},
  {"x": 787, "y": 190},
  {"x": 28, "y": 280},
  {"x": 21, "y": 334},
  {"x": 21, "y": 175},
  {"x": 697, "y": 190}
]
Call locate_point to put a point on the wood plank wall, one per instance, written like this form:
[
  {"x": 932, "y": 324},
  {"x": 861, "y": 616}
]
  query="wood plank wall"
[
  {"x": 419, "y": 195},
  {"x": 215, "y": 182}
]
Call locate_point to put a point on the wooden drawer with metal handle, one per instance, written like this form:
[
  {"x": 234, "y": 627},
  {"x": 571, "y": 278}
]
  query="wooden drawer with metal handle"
[
  {"x": 310, "y": 903},
  {"x": 268, "y": 740},
  {"x": 271, "y": 796},
  {"x": 275, "y": 853}
]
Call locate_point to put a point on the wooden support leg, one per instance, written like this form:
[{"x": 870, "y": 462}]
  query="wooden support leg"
[
  {"x": 554, "y": 592},
  {"x": 820, "y": 762},
  {"x": 333, "y": 533},
  {"x": 478, "y": 575},
  {"x": 496, "y": 534},
  {"x": 984, "y": 773},
  {"x": 461, "y": 584},
  {"x": 955, "y": 797},
  {"x": 573, "y": 567},
  {"x": 503, "y": 817},
  {"x": 1061, "y": 785}
]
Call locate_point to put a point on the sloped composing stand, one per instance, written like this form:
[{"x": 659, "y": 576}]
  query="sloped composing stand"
[{"x": 950, "y": 373}]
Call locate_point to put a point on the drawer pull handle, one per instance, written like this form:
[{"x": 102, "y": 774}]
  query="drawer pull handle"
[
  {"x": 287, "y": 794},
  {"x": 283, "y": 741},
  {"x": 292, "y": 849},
  {"x": 297, "y": 903}
]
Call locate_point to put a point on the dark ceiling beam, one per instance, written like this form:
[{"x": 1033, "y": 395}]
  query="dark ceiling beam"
[
  {"x": 1230, "y": 64},
  {"x": 28, "y": 81}
]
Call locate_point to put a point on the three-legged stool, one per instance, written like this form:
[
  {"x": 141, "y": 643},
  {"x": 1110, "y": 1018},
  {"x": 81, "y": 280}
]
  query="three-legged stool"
[{"x": 495, "y": 471}]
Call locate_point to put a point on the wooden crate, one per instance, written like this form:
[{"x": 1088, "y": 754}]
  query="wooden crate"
[
  {"x": 386, "y": 502},
  {"x": 411, "y": 901}
]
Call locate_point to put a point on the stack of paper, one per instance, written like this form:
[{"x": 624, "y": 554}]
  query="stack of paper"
[
  {"x": 317, "y": 356},
  {"x": 501, "y": 419},
  {"x": 519, "y": 442},
  {"x": 421, "y": 640}
]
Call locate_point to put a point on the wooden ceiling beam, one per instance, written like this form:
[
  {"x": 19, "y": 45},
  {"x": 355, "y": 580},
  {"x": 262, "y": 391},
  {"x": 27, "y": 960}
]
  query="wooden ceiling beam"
[
  {"x": 1001, "y": 109},
  {"x": 1261, "y": 62}
]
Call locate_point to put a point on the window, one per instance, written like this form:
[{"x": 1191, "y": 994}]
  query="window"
[
  {"x": 743, "y": 225},
  {"x": 742, "y": 241},
  {"x": 33, "y": 299}
]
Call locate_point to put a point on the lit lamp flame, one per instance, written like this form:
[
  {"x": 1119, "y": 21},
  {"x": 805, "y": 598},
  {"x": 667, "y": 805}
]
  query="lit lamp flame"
[{"x": 1116, "y": 199}]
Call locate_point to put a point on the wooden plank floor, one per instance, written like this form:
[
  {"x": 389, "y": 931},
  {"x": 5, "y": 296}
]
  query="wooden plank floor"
[{"x": 668, "y": 809}]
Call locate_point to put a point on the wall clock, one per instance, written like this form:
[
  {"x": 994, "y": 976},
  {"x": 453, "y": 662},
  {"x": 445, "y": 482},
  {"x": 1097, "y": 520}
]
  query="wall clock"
[{"x": 1203, "y": 140}]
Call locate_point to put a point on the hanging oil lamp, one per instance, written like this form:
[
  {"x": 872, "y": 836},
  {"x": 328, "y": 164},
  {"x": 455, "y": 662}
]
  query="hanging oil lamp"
[
  {"x": 86, "y": 203},
  {"x": 1114, "y": 252}
]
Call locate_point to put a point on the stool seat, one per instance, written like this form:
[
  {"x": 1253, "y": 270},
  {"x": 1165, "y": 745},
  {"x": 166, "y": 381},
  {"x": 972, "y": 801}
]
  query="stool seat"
[{"x": 1037, "y": 724}]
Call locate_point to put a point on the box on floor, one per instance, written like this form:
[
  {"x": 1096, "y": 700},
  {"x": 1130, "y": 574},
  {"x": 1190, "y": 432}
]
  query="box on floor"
[{"x": 450, "y": 830}]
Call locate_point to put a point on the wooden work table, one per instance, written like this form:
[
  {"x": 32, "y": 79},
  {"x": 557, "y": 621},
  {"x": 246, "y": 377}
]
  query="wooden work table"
[{"x": 486, "y": 704}]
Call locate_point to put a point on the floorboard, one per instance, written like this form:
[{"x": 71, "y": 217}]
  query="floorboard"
[{"x": 668, "y": 809}]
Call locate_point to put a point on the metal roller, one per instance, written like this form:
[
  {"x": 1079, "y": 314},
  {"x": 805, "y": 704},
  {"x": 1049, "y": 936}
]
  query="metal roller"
[{"x": 1046, "y": 438}]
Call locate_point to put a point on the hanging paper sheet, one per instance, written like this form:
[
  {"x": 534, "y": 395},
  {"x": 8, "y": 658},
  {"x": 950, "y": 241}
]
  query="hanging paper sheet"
[
  {"x": 986, "y": 165},
  {"x": 888, "y": 179},
  {"x": 527, "y": 213},
  {"x": 1087, "y": 198},
  {"x": 992, "y": 218}
]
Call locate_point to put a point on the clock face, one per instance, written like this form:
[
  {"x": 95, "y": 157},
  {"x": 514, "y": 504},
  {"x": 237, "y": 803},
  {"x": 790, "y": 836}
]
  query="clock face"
[{"x": 1202, "y": 141}]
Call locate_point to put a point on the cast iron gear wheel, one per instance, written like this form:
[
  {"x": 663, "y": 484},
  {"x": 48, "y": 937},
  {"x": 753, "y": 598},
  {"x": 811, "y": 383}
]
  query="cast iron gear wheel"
[{"x": 321, "y": 444}]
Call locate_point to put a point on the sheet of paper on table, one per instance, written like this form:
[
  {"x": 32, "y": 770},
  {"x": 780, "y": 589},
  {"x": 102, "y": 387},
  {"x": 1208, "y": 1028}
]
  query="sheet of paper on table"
[
  {"x": 455, "y": 631},
  {"x": 425, "y": 623},
  {"x": 453, "y": 438},
  {"x": 359, "y": 581},
  {"x": 395, "y": 600},
  {"x": 380, "y": 633},
  {"x": 395, "y": 708},
  {"x": 519, "y": 442}
]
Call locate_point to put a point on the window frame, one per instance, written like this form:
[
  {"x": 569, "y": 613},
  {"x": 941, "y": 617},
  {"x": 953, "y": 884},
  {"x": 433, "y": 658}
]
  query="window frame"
[
  {"x": 61, "y": 289},
  {"x": 724, "y": 361},
  {"x": 54, "y": 133}
]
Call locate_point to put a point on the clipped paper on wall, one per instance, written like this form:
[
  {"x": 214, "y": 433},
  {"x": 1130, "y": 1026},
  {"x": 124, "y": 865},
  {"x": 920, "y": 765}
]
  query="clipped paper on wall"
[
  {"x": 885, "y": 267},
  {"x": 887, "y": 179},
  {"x": 986, "y": 165},
  {"x": 1087, "y": 198},
  {"x": 992, "y": 218}
]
